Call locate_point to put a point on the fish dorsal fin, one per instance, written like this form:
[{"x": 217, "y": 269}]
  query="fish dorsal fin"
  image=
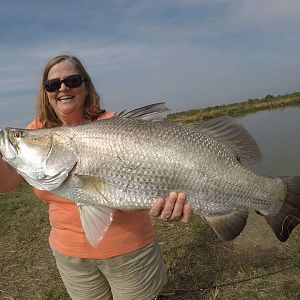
[
  {"x": 95, "y": 221},
  {"x": 228, "y": 225},
  {"x": 226, "y": 131},
  {"x": 155, "y": 111}
]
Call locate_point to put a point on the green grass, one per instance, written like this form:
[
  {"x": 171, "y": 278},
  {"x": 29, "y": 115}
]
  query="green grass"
[
  {"x": 199, "y": 265},
  {"x": 27, "y": 268}
]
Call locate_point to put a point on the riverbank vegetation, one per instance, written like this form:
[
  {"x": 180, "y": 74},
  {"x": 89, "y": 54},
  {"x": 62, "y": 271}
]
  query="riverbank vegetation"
[{"x": 236, "y": 109}]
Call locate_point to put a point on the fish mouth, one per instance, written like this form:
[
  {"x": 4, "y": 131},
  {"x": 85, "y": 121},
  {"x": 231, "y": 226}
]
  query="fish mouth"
[{"x": 7, "y": 148}]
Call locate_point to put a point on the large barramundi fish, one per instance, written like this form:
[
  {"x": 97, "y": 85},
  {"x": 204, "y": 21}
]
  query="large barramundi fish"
[{"x": 127, "y": 161}]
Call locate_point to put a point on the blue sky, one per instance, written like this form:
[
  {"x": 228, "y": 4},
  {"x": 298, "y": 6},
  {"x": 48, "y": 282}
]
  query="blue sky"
[{"x": 189, "y": 53}]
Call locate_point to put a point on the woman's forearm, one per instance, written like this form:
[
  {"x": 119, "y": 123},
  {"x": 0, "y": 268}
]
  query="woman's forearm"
[{"x": 9, "y": 178}]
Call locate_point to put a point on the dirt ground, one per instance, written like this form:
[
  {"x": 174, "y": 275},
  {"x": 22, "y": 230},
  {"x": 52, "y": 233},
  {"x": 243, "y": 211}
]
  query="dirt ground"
[{"x": 256, "y": 234}]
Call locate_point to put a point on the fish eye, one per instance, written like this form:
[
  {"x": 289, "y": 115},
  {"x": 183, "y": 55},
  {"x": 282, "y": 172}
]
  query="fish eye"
[{"x": 17, "y": 134}]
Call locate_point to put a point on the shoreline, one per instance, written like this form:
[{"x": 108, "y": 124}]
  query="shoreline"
[{"x": 236, "y": 109}]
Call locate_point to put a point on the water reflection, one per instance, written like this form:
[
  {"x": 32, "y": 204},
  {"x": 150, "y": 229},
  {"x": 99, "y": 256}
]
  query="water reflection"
[{"x": 277, "y": 133}]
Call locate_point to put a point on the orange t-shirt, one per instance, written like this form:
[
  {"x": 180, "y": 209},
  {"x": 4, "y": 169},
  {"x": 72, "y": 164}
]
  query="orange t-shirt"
[{"x": 129, "y": 230}]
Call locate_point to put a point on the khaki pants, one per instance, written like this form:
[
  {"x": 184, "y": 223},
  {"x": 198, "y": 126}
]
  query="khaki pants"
[{"x": 137, "y": 275}]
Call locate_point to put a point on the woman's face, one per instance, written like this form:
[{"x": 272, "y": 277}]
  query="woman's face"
[{"x": 67, "y": 102}]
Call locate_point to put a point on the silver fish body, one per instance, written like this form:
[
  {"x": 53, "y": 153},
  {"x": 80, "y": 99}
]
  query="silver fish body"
[
  {"x": 133, "y": 163},
  {"x": 126, "y": 162}
]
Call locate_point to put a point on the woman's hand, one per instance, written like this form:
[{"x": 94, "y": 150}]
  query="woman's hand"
[{"x": 172, "y": 208}]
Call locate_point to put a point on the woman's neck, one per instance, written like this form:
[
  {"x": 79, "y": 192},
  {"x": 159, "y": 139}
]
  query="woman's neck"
[{"x": 75, "y": 120}]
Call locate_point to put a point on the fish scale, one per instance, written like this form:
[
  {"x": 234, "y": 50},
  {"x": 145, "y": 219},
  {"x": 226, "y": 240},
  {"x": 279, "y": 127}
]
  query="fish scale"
[{"x": 125, "y": 166}]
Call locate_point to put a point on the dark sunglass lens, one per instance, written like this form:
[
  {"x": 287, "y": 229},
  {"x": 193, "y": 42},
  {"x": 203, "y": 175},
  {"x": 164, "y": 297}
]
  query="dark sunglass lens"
[
  {"x": 73, "y": 81},
  {"x": 52, "y": 85}
]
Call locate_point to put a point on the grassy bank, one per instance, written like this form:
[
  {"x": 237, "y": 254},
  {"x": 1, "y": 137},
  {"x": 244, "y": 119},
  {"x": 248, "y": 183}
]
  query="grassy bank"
[
  {"x": 200, "y": 266},
  {"x": 236, "y": 109}
]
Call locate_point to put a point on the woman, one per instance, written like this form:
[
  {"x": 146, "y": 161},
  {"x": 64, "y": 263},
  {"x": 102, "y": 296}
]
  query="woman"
[{"x": 128, "y": 263}]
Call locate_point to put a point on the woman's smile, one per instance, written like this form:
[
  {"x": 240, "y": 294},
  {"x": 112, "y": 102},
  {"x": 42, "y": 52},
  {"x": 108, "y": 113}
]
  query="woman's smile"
[{"x": 66, "y": 98}]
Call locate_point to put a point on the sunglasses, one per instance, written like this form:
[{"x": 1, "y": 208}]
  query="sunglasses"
[{"x": 72, "y": 81}]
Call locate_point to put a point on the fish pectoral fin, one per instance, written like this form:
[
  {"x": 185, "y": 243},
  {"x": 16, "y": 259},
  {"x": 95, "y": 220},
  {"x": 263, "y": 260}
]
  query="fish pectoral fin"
[
  {"x": 91, "y": 187},
  {"x": 89, "y": 183},
  {"x": 95, "y": 221},
  {"x": 228, "y": 225}
]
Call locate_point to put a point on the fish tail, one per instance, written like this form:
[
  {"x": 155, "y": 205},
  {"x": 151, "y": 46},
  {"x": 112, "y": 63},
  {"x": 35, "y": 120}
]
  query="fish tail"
[{"x": 288, "y": 217}]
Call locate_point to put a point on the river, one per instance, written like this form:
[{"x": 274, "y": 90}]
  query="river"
[{"x": 277, "y": 133}]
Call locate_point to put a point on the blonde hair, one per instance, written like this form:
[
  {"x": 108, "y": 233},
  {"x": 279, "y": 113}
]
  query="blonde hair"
[{"x": 44, "y": 111}]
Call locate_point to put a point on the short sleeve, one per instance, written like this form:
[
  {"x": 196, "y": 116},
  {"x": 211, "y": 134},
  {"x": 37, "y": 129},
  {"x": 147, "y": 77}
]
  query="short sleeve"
[{"x": 35, "y": 124}]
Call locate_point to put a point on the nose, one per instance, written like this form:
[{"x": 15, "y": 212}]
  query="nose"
[{"x": 63, "y": 87}]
